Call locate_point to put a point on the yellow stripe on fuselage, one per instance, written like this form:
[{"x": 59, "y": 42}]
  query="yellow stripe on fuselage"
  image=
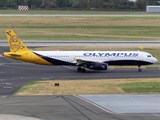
[{"x": 27, "y": 56}]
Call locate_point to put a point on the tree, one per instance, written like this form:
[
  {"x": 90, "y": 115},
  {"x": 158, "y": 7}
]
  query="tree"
[
  {"x": 49, "y": 4},
  {"x": 10, "y": 3},
  {"x": 29, "y": 3},
  {"x": 76, "y": 4},
  {"x": 96, "y": 3},
  {"x": 141, "y": 4},
  {"x": 36, "y": 3},
  {"x": 3, "y": 3},
  {"x": 85, "y": 3},
  {"x": 62, "y": 3},
  {"x": 19, "y": 2},
  {"x": 152, "y": 2}
]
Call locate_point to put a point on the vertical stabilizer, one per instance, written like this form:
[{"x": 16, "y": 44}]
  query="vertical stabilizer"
[{"x": 15, "y": 44}]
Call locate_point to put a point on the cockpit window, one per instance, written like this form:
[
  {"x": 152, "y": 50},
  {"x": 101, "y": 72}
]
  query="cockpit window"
[{"x": 149, "y": 56}]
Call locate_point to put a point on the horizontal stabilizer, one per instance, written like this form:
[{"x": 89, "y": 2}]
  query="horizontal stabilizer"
[{"x": 15, "y": 54}]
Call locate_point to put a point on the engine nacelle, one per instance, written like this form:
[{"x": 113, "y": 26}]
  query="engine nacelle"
[{"x": 99, "y": 66}]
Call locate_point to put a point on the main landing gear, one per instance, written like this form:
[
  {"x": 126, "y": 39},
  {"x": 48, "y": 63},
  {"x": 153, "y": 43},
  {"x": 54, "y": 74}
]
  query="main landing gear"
[
  {"x": 139, "y": 68},
  {"x": 79, "y": 69}
]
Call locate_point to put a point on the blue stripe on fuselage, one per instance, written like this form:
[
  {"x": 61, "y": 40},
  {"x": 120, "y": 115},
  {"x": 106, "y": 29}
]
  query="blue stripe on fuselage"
[
  {"x": 55, "y": 61},
  {"x": 128, "y": 62}
]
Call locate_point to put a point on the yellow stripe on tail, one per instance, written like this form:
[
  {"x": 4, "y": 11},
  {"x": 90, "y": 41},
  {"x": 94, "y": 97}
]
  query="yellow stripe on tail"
[{"x": 15, "y": 44}]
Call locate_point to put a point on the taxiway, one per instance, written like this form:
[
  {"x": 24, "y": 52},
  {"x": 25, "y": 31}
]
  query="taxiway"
[{"x": 14, "y": 74}]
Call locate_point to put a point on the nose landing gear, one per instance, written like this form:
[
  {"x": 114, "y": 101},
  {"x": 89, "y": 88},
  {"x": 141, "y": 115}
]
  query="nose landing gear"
[{"x": 139, "y": 68}]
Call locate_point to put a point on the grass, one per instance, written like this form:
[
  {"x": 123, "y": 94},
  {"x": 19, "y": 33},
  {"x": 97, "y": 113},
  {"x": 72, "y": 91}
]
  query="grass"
[
  {"x": 27, "y": 85},
  {"x": 102, "y": 86},
  {"x": 141, "y": 87},
  {"x": 82, "y": 28}
]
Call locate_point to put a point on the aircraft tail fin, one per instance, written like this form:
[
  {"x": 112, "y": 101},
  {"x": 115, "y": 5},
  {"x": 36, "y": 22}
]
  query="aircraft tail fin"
[{"x": 15, "y": 44}]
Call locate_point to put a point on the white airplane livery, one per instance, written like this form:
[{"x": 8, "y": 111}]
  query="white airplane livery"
[{"x": 95, "y": 60}]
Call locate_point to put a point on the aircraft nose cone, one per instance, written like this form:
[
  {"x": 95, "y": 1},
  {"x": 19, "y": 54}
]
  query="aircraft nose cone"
[{"x": 155, "y": 60}]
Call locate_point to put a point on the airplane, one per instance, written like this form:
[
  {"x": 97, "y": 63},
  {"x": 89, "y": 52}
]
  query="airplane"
[{"x": 95, "y": 60}]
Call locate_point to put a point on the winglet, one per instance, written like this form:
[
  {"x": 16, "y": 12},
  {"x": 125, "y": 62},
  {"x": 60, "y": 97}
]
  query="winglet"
[
  {"x": 75, "y": 59},
  {"x": 15, "y": 44}
]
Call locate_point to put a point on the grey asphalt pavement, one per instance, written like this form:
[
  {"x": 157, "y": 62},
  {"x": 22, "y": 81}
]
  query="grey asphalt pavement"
[
  {"x": 37, "y": 43},
  {"x": 14, "y": 74},
  {"x": 62, "y": 108},
  {"x": 122, "y": 104},
  {"x": 84, "y": 15}
]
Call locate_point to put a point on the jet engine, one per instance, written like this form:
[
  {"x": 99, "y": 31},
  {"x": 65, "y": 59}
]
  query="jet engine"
[{"x": 99, "y": 66}]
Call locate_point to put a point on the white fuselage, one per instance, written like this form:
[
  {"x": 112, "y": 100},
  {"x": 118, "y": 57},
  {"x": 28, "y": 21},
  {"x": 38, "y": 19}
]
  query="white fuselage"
[{"x": 109, "y": 57}]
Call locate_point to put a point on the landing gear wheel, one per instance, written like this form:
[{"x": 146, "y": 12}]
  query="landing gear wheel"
[
  {"x": 139, "y": 70},
  {"x": 83, "y": 70},
  {"x": 79, "y": 69}
]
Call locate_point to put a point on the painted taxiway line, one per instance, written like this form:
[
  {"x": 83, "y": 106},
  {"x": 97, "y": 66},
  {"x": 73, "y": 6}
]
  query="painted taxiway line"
[
  {"x": 3, "y": 96},
  {"x": 7, "y": 87},
  {"x": 6, "y": 83},
  {"x": 16, "y": 117},
  {"x": 45, "y": 78},
  {"x": 3, "y": 79},
  {"x": 96, "y": 105},
  {"x": 67, "y": 67}
]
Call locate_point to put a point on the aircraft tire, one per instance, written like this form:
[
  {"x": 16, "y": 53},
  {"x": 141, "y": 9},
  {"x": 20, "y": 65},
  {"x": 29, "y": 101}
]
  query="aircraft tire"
[
  {"x": 79, "y": 69},
  {"x": 83, "y": 70},
  {"x": 139, "y": 70}
]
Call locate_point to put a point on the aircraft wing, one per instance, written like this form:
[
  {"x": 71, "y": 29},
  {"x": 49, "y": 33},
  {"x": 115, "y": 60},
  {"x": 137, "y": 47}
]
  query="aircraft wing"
[{"x": 81, "y": 62}]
